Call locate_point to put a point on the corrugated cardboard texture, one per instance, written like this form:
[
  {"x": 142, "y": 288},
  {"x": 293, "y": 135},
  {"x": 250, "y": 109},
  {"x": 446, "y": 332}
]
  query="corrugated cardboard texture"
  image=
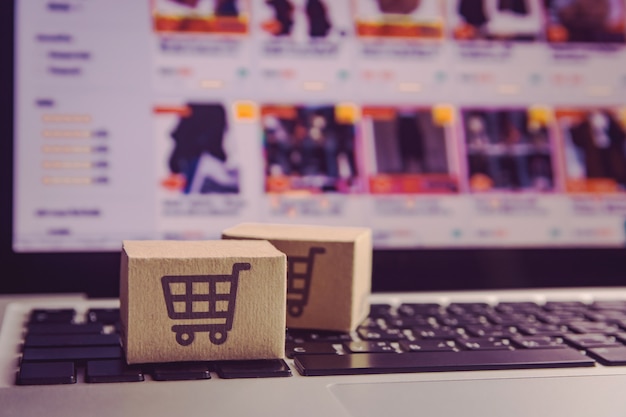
[
  {"x": 340, "y": 274},
  {"x": 258, "y": 323}
]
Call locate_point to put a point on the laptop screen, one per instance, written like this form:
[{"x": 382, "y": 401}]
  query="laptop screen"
[{"x": 453, "y": 127}]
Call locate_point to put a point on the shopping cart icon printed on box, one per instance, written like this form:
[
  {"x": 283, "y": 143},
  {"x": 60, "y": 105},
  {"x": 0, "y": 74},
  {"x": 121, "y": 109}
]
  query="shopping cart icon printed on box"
[
  {"x": 208, "y": 300},
  {"x": 299, "y": 275}
]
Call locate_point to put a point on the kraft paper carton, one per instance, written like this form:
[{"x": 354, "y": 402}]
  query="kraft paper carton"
[
  {"x": 328, "y": 275},
  {"x": 202, "y": 300}
]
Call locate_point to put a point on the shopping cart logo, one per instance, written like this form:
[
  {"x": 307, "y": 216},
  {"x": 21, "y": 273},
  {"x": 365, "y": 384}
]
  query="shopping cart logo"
[
  {"x": 299, "y": 275},
  {"x": 208, "y": 300}
]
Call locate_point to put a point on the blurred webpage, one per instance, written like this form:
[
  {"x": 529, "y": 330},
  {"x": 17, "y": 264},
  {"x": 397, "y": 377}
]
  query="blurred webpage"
[{"x": 436, "y": 123}]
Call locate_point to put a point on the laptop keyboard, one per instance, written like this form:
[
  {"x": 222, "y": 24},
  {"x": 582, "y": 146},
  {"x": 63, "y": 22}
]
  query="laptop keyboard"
[{"x": 58, "y": 347}]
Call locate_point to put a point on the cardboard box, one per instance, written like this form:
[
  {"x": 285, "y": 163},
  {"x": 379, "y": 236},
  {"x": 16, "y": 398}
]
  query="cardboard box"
[
  {"x": 329, "y": 272},
  {"x": 202, "y": 300}
]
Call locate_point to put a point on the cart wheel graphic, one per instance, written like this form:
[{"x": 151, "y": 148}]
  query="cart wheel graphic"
[
  {"x": 218, "y": 337},
  {"x": 184, "y": 338},
  {"x": 295, "y": 310}
]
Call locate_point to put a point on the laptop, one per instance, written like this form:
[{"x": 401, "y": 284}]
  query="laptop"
[{"x": 481, "y": 143}]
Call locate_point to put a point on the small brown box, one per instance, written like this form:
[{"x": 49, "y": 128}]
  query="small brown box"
[
  {"x": 328, "y": 274},
  {"x": 202, "y": 300}
]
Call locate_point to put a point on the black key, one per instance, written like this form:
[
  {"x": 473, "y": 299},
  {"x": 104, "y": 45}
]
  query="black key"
[
  {"x": 299, "y": 336},
  {"x": 467, "y": 360},
  {"x": 409, "y": 322},
  {"x": 538, "y": 342},
  {"x": 565, "y": 305},
  {"x": 52, "y": 315},
  {"x": 386, "y": 334},
  {"x": 584, "y": 341},
  {"x": 312, "y": 348},
  {"x": 254, "y": 369},
  {"x": 53, "y": 340},
  {"x": 592, "y": 327},
  {"x": 426, "y": 309},
  {"x": 542, "y": 329},
  {"x": 112, "y": 371},
  {"x": 464, "y": 308},
  {"x": 433, "y": 345},
  {"x": 611, "y": 356},
  {"x": 181, "y": 371},
  {"x": 561, "y": 317},
  {"x": 619, "y": 305},
  {"x": 620, "y": 323},
  {"x": 380, "y": 310},
  {"x": 605, "y": 316},
  {"x": 511, "y": 319},
  {"x": 491, "y": 331},
  {"x": 621, "y": 337},
  {"x": 371, "y": 323},
  {"x": 328, "y": 336},
  {"x": 484, "y": 343},
  {"x": 55, "y": 354},
  {"x": 438, "y": 333},
  {"x": 64, "y": 328},
  {"x": 461, "y": 320},
  {"x": 568, "y": 313},
  {"x": 369, "y": 347},
  {"x": 104, "y": 315},
  {"x": 527, "y": 308},
  {"x": 46, "y": 373}
]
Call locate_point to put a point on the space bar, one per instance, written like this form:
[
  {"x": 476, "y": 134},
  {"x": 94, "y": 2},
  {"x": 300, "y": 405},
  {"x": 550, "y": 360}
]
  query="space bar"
[{"x": 384, "y": 363}]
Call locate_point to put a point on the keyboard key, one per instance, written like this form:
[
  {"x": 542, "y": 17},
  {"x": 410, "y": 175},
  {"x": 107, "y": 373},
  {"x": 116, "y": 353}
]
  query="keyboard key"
[
  {"x": 609, "y": 305},
  {"x": 517, "y": 307},
  {"x": 584, "y": 341},
  {"x": 254, "y": 369},
  {"x": 56, "y": 354},
  {"x": 370, "y": 323},
  {"x": 52, "y": 315},
  {"x": 438, "y": 333},
  {"x": 491, "y": 331},
  {"x": 542, "y": 329},
  {"x": 621, "y": 336},
  {"x": 589, "y": 327},
  {"x": 369, "y": 347},
  {"x": 386, "y": 334},
  {"x": 611, "y": 356},
  {"x": 181, "y": 371},
  {"x": 620, "y": 323},
  {"x": 312, "y": 348},
  {"x": 48, "y": 373},
  {"x": 112, "y": 371},
  {"x": 104, "y": 315},
  {"x": 564, "y": 317},
  {"x": 606, "y": 316},
  {"x": 564, "y": 305},
  {"x": 464, "y": 308},
  {"x": 538, "y": 342},
  {"x": 511, "y": 319},
  {"x": 378, "y": 363},
  {"x": 299, "y": 336},
  {"x": 484, "y": 343},
  {"x": 426, "y": 309},
  {"x": 433, "y": 345},
  {"x": 380, "y": 310},
  {"x": 64, "y": 328},
  {"x": 409, "y": 322},
  {"x": 462, "y": 320},
  {"x": 52, "y": 340}
]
